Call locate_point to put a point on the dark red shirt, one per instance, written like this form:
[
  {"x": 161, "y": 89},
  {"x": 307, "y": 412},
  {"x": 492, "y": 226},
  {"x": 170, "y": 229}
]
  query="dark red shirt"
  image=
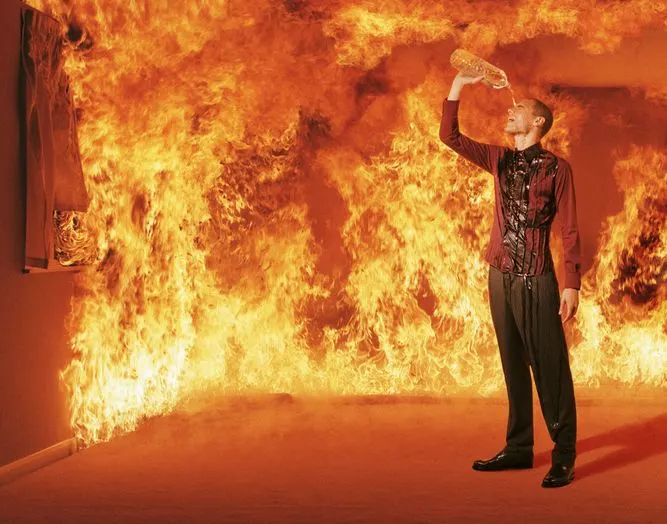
[{"x": 531, "y": 187}]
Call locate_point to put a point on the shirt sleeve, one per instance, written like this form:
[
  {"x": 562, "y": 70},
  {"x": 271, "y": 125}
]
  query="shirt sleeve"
[
  {"x": 485, "y": 156},
  {"x": 566, "y": 210}
]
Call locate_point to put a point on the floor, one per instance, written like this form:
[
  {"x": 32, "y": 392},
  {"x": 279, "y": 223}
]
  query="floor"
[{"x": 359, "y": 460}]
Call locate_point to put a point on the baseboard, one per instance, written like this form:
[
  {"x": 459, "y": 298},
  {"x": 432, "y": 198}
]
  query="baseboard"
[{"x": 37, "y": 460}]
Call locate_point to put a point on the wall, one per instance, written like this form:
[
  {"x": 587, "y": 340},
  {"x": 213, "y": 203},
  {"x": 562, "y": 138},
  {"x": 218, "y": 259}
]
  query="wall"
[
  {"x": 33, "y": 308},
  {"x": 617, "y": 119}
]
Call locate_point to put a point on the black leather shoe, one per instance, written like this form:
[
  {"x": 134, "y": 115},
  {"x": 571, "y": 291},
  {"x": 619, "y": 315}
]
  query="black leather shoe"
[
  {"x": 505, "y": 460},
  {"x": 559, "y": 475}
]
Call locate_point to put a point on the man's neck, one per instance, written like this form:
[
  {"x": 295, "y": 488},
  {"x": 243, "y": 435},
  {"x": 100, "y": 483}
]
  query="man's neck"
[{"x": 522, "y": 142}]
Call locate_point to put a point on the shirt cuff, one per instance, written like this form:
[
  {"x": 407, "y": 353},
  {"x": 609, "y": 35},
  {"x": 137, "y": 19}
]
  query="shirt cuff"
[{"x": 573, "y": 280}]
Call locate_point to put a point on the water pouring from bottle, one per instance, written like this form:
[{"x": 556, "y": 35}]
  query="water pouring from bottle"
[{"x": 473, "y": 65}]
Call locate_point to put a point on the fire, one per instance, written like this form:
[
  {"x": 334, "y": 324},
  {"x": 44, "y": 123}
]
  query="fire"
[
  {"x": 624, "y": 330},
  {"x": 273, "y": 210}
]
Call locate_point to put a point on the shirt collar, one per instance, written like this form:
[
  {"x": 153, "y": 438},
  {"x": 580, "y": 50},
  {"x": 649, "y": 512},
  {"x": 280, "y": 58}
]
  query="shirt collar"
[{"x": 531, "y": 152}]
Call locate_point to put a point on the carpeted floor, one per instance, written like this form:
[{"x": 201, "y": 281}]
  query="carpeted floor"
[{"x": 292, "y": 460}]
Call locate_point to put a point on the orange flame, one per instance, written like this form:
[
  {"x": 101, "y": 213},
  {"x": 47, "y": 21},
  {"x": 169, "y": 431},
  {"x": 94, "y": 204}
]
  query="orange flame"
[
  {"x": 274, "y": 211},
  {"x": 624, "y": 324}
]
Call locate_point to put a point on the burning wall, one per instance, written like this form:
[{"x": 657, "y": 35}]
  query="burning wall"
[{"x": 273, "y": 210}]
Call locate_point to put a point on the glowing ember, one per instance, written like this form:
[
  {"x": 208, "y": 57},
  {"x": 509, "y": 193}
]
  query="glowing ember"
[{"x": 273, "y": 209}]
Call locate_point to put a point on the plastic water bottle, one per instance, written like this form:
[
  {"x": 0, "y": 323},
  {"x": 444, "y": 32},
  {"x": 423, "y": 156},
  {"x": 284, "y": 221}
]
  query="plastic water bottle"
[{"x": 473, "y": 65}]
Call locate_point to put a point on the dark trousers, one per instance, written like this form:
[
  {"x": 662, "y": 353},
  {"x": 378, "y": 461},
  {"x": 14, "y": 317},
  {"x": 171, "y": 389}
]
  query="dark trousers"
[{"x": 530, "y": 336}]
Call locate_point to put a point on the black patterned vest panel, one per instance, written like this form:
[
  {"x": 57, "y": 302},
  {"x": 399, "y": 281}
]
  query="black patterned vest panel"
[{"x": 528, "y": 205}]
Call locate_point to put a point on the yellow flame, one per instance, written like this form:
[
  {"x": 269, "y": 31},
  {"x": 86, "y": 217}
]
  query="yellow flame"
[
  {"x": 274, "y": 212},
  {"x": 625, "y": 308}
]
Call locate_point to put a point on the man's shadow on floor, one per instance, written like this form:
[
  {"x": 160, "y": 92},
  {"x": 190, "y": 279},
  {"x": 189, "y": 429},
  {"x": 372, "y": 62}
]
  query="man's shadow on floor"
[{"x": 628, "y": 444}]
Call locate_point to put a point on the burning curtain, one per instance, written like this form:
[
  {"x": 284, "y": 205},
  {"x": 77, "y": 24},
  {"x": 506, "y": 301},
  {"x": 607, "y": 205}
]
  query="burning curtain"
[{"x": 53, "y": 163}]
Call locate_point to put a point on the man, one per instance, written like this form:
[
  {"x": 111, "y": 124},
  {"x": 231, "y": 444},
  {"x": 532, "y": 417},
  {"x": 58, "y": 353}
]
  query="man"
[{"x": 532, "y": 185}]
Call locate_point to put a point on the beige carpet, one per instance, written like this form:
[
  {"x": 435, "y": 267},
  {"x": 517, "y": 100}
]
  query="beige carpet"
[{"x": 292, "y": 460}]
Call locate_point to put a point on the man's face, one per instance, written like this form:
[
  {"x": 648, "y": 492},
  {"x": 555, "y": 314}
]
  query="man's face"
[{"x": 520, "y": 118}]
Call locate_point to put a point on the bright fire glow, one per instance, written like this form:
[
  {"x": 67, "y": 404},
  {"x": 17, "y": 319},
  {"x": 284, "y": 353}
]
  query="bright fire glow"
[{"x": 274, "y": 211}]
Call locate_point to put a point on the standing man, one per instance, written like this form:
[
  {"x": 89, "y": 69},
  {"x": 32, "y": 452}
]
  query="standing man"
[{"x": 532, "y": 185}]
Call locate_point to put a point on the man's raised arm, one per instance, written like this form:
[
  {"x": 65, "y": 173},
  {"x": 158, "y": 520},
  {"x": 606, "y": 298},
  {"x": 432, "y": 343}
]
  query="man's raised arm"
[{"x": 483, "y": 155}]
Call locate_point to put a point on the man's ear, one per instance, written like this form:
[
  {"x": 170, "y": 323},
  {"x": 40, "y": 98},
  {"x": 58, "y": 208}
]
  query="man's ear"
[{"x": 539, "y": 121}]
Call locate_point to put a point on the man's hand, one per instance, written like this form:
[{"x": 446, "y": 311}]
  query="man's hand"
[
  {"x": 569, "y": 303},
  {"x": 461, "y": 80}
]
